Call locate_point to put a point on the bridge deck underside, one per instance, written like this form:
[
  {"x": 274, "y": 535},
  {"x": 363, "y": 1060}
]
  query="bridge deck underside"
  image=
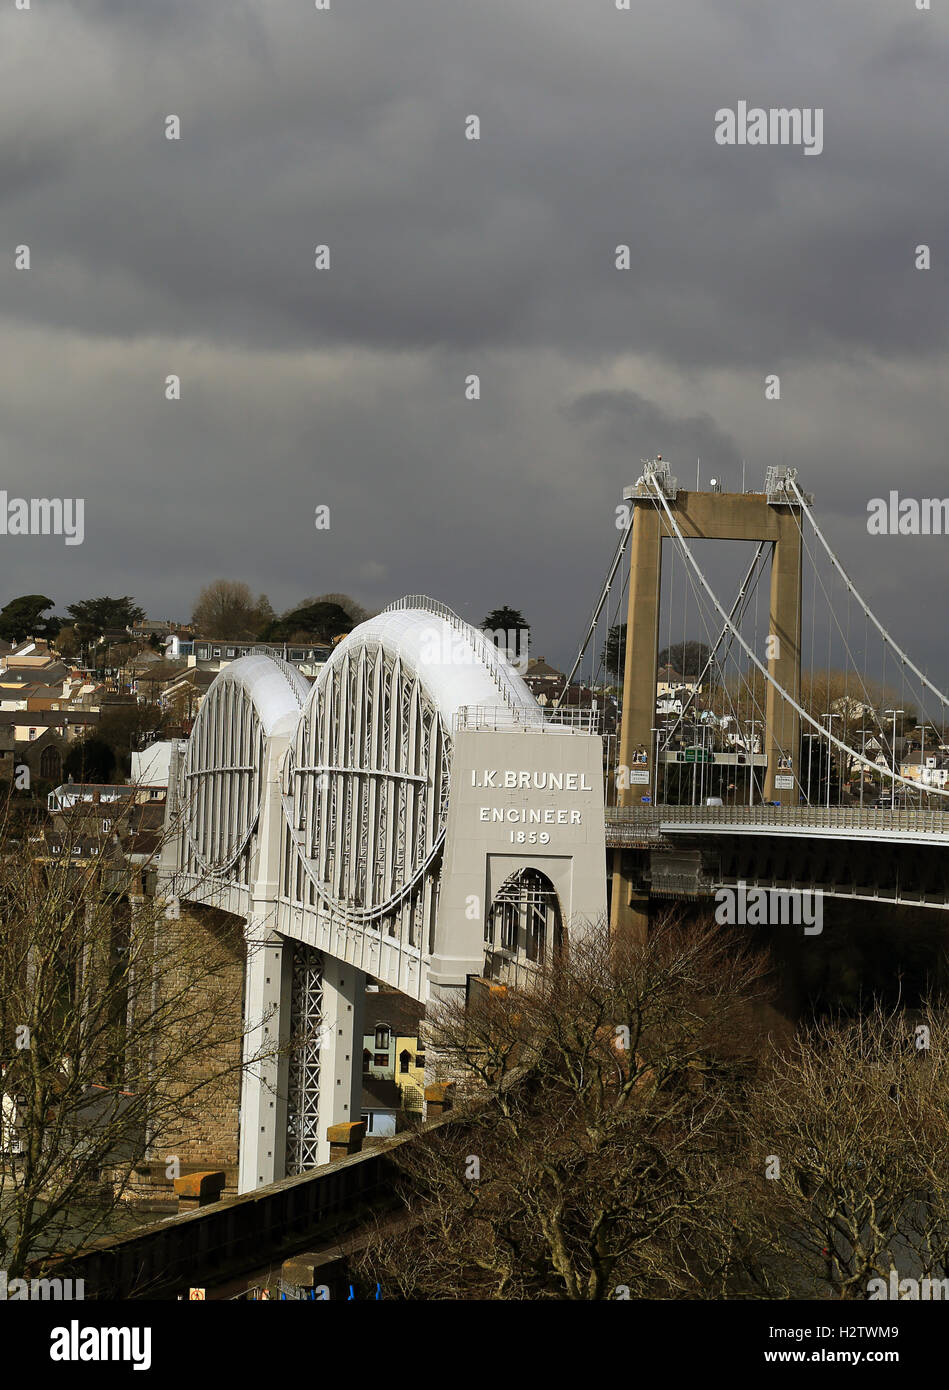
[
  {"x": 377, "y": 953},
  {"x": 693, "y": 864}
]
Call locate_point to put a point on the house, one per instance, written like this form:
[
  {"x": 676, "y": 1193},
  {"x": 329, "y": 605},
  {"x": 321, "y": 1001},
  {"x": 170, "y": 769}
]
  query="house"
[
  {"x": 32, "y": 655},
  {"x": 177, "y": 647},
  {"x": 391, "y": 1047},
  {"x": 581, "y": 697},
  {"x": 43, "y": 756},
  {"x": 40, "y": 740},
  {"x": 381, "y": 1103},
  {"x": 927, "y": 768},
  {"x": 182, "y": 695},
  {"x": 676, "y": 698},
  {"x": 668, "y": 679},
  {"x": 86, "y": 819},
  {"x": 152, "y": 767},
  {"x": 215, "y": 654},
  {"x": 150, "y": 674},
  {"x": 544, "y": 681},
  {"x": 911, "y": 765},
  {"x": 18, "y": 685}
]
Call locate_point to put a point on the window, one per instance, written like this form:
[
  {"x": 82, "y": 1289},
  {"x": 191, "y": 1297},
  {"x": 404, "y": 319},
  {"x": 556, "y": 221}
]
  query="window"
[
  {"x": 51, "y": 764},
  {"x": 381, "y": 1059},
  {"x": 106, "y": 825},
  {"x": 420, "y": 1059},
  {"x": 405, "y": 1060},
  {"x": 383, "y": 1033},
  {"x": 232, "y": 651},
  {"x": 366, "y": 1059},
  {"x": 32, "y": 734},
  {"x": 217, "y": 651}
]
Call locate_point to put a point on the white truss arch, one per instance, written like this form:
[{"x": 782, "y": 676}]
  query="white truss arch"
[
  {"x": 367, "y": 778},
  {"x": 250, "y": 701}
]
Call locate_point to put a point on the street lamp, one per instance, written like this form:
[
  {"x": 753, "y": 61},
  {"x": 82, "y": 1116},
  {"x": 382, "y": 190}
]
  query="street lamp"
[
  {"x": 863, "y": 766},
  {"x": 894, "y": 713},
  {"x": 702, "y": 774},
  {"x": 922, "y": 762},
  {"x": 751, "y": 755},
  {"x": 830, "y": 762},
  {"x": 810, "y": 758}
]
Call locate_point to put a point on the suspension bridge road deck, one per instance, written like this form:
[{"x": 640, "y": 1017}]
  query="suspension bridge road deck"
[{"x": 631, "y": 825}]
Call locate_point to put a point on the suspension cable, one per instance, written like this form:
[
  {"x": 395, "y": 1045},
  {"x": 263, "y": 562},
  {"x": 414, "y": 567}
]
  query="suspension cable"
[
  {"x": 650, "y": 478},
  {"x": 802, "y": 501}
]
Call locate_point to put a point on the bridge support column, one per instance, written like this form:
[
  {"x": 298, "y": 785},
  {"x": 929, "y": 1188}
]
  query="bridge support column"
[
  {"x": 629, "y": 910},
  {"x": 639, "y": 696},
  {"x": 642, "y": 639},
  {"x": 344, "y": 990},
  {"x": 783, "y": 722},
  {"x": 263, "y": 1124}
]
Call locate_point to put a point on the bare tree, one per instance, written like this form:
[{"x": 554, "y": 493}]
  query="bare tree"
[
  {"x": 227, "y": 609},
  {"x": 105, "y": 1002},
  {"x": 593, "y": 1157},
  {"x": 848, "y": 1142}
]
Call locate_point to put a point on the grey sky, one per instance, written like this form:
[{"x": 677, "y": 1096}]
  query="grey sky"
[{"x": 346, "y": 387}]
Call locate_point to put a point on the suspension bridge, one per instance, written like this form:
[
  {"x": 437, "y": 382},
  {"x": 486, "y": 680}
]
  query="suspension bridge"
[
  {"x": 417, "y": 816},
  {"x": 792, "y": 727}
]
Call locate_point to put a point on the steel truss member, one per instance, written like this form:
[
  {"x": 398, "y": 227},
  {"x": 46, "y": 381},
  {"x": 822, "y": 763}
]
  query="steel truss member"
[{"x": 306, "y": 1035}]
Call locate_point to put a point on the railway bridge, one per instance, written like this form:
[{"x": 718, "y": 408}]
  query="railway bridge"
[{"x": 414, "y": 815}]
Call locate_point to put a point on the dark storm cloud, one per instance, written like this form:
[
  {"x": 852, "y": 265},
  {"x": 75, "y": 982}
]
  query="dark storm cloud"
[
  {"x": 347, "y": 128},
  {"x": 625, "y": 419},
  {"x": 450, "y": 257}
]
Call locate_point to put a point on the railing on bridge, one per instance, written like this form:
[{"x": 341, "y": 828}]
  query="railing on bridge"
[
  {"x": 543, "y": 719},
  {"x": 487, "y": 651},
  {"x": 811, "y": 817}
]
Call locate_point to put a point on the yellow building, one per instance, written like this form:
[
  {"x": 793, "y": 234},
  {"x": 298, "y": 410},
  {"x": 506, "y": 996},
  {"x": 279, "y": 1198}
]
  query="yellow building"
[{"x": 392, "y": 1050}]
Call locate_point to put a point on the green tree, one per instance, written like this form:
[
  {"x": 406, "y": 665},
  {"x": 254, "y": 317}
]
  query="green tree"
[
  {"x": 92, "y": 616},
  {"x": 67, "y": 643},
  {"x": 688, "y": 658},
  {"x": 97, "y": 615},
  {"x": 318, "y": 622},
  {"x": 90, "y": 760},
  {"x": 506, "y": 620},
  {"x": 22, "y": 618},
  {"x": 614, "y": 652},
  {"x": 127, "y": 728},
  {"x": 355, "y": 611}
]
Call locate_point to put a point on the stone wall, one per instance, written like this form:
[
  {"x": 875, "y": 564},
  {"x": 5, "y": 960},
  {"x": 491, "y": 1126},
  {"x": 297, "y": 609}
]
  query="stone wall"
[{"x": 201, "y": 969}]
